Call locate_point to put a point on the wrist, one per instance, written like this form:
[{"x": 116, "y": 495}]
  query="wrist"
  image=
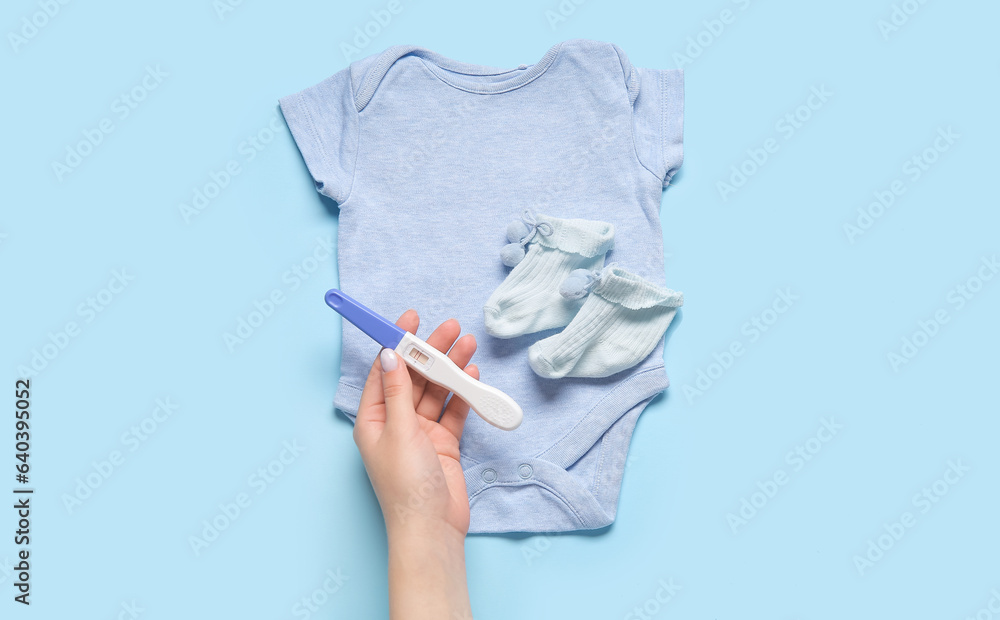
[
  {"x": 427, "y": 571},
  {"x": 420, "y": 530}
]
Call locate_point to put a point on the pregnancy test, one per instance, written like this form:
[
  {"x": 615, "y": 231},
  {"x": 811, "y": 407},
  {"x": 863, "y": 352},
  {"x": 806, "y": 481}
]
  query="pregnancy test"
[{"x": 488, "y": 402}]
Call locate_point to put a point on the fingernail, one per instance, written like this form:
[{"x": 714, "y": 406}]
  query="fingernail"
[{"x": 389, "y": 360}]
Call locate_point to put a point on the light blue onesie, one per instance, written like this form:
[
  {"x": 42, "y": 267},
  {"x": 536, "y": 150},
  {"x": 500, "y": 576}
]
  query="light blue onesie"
[{"x": 429, "y": 160}]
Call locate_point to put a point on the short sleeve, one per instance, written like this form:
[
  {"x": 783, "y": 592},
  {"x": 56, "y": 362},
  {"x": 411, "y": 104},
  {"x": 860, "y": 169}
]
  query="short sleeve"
[
  {"x": 323, "y": 120},
  {"x": 657, "y": 99},
  {"x": 658, "y": 116}
]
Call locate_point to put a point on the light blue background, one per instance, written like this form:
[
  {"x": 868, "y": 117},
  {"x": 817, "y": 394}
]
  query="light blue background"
[{"x": 692, "y": 460}]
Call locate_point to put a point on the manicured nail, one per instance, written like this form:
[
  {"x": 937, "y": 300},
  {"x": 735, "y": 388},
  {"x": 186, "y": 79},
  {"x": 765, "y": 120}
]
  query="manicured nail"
[{"x": 389, "y": 360}]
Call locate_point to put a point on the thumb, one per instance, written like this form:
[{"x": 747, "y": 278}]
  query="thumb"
[{"x": 397, "y": 390}]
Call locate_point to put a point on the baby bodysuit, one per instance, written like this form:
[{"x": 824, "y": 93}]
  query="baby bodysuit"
[{"x": 429, "y": 160}]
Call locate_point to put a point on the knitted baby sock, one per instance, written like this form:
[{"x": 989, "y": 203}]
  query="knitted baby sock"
[
  {"x": 620, "y": 323},
  {"x": 528, "y": 300}
]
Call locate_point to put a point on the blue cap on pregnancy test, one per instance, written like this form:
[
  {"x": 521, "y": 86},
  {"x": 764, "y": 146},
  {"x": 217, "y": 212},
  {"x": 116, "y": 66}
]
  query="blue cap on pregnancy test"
[{"x": 364, "y": 318}]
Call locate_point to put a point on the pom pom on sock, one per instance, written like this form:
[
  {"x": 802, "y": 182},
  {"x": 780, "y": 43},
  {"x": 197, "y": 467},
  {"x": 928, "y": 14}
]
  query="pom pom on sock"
[
  {"x": 512, "y": 254},
  {"x": 520, "y": 233},
  {"x": 516, "y": 231},
  {"x": 578, "y": 284}
]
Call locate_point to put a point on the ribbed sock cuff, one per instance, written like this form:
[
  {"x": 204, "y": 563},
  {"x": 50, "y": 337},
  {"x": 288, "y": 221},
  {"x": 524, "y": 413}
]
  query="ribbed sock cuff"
[
  {"x": 627, "y": 289},
  {"x": 584, "y": 237}
]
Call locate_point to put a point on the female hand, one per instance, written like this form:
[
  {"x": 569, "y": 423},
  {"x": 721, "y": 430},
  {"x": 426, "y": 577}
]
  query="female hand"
[{"x": 410, "y": 450}]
